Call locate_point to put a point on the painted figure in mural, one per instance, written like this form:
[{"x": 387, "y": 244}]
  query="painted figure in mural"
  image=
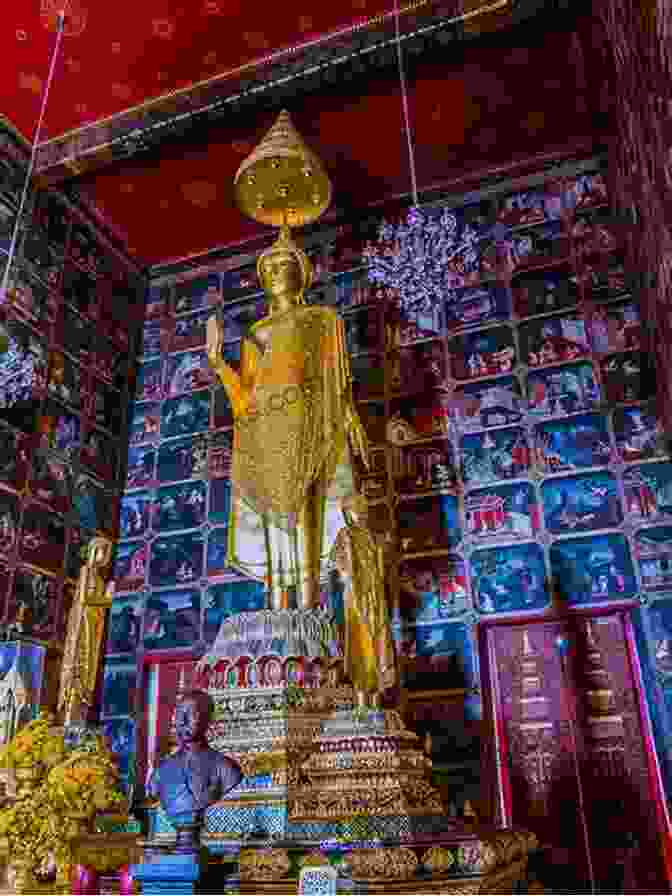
[
  {"x": 369, "y": 649},
  {"x": 86, "y": 624},
  {"x": 295, "y": 426},
  {"x": 194, "y": 776}
]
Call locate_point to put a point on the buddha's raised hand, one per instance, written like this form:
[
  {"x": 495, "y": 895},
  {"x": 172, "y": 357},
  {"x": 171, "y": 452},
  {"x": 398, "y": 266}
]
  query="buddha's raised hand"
[{"x": 215, "y": 341}]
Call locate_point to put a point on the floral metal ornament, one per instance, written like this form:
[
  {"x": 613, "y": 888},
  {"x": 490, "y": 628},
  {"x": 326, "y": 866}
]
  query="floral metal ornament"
[{"x": 423, "y": 256}]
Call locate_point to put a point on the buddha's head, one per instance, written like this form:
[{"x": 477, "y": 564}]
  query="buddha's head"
[
  {"x": 285, "y": 273},
  {"x": 100, "y": 552}
]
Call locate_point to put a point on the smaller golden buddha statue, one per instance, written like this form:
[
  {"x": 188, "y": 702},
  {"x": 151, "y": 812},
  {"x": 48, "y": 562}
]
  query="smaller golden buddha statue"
[
  {"x": 369, "y": 649},
  {"x": 86, "y": 624}
]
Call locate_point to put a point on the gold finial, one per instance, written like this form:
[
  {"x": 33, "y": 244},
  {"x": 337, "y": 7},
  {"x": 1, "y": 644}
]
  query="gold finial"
[{"x": 282, "y": 182}]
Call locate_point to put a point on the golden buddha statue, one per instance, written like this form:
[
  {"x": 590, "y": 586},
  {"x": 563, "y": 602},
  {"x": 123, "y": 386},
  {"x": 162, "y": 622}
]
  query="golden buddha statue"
[
  {"x": 83, "y": 641},
  {"x": 369, "y": 649},
  {"x": 295, "y": 425}
]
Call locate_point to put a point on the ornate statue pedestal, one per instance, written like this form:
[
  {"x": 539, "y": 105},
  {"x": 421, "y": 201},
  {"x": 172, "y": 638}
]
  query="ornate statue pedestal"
[{"x": 328, "y": 783}]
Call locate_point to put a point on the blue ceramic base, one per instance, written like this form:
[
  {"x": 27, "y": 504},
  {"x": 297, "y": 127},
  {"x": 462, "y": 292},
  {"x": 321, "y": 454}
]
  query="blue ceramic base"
[{"x": 168, "y": 874}]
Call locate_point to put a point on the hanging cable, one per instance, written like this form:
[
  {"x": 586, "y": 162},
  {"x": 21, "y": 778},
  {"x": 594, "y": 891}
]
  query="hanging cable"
[
  {"x": 404, "y": 103},
  {"x": 60, "y": 27},
  {"x": 463, "y": 17}
]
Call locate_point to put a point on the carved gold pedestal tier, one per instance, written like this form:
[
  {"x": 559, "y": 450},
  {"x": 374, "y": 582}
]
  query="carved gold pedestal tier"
[{"x": 463, "y": 861}]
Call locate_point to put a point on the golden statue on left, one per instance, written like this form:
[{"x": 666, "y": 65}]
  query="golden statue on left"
[
  {"x": 86, "y": 625},
  {"x": 295, "y": 423}
]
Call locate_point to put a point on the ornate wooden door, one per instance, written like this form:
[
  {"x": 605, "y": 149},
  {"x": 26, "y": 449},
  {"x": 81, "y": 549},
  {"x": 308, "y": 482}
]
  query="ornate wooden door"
[{"x": 571, "y": 745}]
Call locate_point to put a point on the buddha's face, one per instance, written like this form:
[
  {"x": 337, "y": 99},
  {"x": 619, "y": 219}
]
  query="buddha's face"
[
  {"x": 100, "y": 552},
  {"x": 282, "y": 278}
]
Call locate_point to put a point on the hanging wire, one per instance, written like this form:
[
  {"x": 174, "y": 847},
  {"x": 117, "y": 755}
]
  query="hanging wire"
[
  {"x": 60, "y": 27},
  {"x": 463, "y": 17},
  {"x": 404, "y": 103}
]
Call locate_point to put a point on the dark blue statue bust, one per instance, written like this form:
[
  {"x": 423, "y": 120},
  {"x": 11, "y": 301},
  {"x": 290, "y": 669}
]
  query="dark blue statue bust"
[{"x": 194, "y": 776}]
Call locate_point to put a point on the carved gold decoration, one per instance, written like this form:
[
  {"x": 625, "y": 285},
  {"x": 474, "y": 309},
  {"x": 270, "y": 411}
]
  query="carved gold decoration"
[
  {"x": 397, "y": 863},
  {"x": 438, "y": 860},
  {"x": 282, "y": 181},
  {"x": 86, "y": 624},
  {"x": 359, "y": 774},
  {"x": 263, "y": 864}
]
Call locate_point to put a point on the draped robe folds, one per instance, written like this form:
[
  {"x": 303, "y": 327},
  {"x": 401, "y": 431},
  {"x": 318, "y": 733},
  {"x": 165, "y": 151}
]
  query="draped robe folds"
[
  {"x": 369, "y": 650},
  {"x": 291, "y": 462}
]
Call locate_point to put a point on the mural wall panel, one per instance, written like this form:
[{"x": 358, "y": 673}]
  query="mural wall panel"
[{"x": 64, "y": 389}]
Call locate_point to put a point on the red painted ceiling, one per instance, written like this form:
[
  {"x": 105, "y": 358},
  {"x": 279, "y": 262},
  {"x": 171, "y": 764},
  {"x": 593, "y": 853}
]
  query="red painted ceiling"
[
  {"x": 490, "y": 107},
  {"x": 126, "y": 52},
  {"x": 491, "y": 110}
]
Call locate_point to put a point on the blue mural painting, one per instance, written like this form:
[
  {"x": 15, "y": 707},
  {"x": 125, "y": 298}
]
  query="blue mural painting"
[
  {"x": 480, "y": 405},
  {"x": 217, "y": 551},
  {"x": 653, "y": 636},
  {"x": 177, "y": 559},
  {"x": 118, "y": 690},
  {"x": 135, "y": 514},
  {"x": 508, "y": 579},
  {"x": 502, "y": 512},
  {"x": 653, "y": 550},
  {"x": 491, "y": 456},
  {"x": 185, "y": 415},
  {"x": 433, "y": 589},
  {"x": 180, "y": 506},
  {"x": 576, "y": 503},
  {"x": 124, "y": 626},
  {"x": 172, "y": 619},
  {"x": 558, "y": 391},
  {"x": 444, "y": 656},
  {"x": 648, "y": 492},
  {"x": 638, "y": 433},
  {"x": 428, "y": 523},
  {"x": 120, "y": 735},
  {"x": 592, "y": 570},
  {"x": 572, "y": 443}
]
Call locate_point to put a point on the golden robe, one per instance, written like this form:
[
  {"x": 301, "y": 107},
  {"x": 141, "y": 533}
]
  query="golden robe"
[
  {"x": 293, "y": 410},
  {"x": 83, "y": 641},
  {"x": 369, "y": 649}
]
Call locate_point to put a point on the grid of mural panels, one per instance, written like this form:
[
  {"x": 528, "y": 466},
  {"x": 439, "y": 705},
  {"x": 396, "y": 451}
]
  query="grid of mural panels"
[
  {"x": 522, "y": 461},
  {"x": 64, "y": 386},
  {"x": 515, "y": 454}
]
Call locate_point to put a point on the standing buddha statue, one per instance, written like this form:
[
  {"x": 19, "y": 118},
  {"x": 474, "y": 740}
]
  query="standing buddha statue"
[
  {"x": 83, "y": 640},
  {"x": 295, "y": 423},
  {"x": 369, "y": 649}
]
